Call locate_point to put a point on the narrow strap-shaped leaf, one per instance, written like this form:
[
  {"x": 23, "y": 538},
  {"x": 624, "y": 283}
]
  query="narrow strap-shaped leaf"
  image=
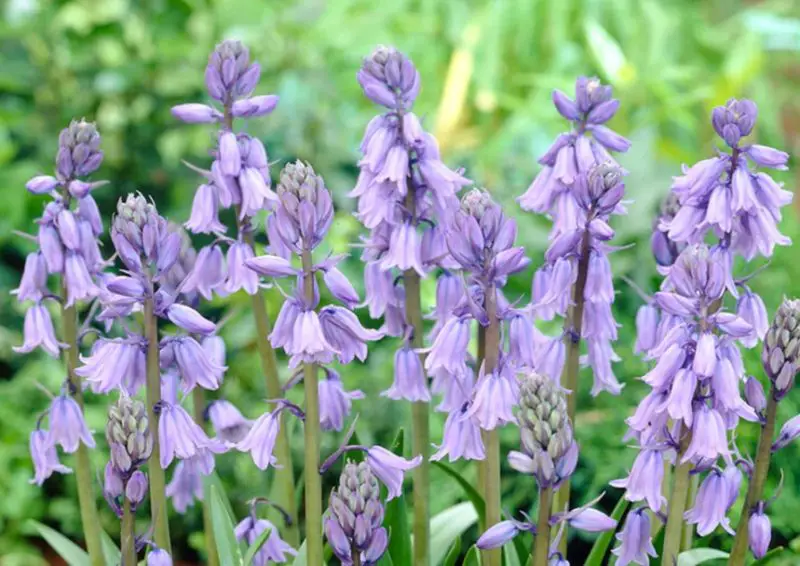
[
  {"x": 111, "y": 552},
  {"x": 72, "y": 554},
  {"x": 473, "y": 557},
  {"x": 256, "y": 546},
  {"x": 449, "y": 525},
  {"x": 227, "y": 546},
  {"x": 699, "y": 556},
  {"x": 770, "y": 556},
  {"x": 397, "y": 519},
  {"x": 453, "y": 554},
  {"x": 600, "y": 547},
  {"x": 510, "y": 556},
  {"x": 471, "y": 493}
]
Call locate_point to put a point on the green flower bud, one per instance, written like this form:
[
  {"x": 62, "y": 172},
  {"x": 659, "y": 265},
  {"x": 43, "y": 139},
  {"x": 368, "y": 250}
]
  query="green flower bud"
[
  {"x": 781, "y": 352},
  {"x": 128, "y": 433}
]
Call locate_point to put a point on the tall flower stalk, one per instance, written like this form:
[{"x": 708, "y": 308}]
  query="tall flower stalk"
[
  {"x": 403, "y": 191},
  {"x": 696, "y": 397},
  {"x": 68, "y": 248},
  {"x": 239, "y": 178},
  {"x": 301, "y": 220},
  {"x": 780, "y": 356},
  {"x": 480, "y": 239},
  {"x": 575, "y": 281}
]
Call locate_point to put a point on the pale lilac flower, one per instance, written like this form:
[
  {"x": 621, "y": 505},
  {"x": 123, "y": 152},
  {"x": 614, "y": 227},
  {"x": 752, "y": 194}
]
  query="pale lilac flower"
[
  {"x": 760, "y": 532},
  {"x": 77, "y": 279},
  {"x": 335, "y": 403},
  {"x": 343, "y": 331},
  {"x": 590, "y": 520},
  {"x": 114, "y": 364},
  {"x": 158, "y": 557},
  {"x": 196, "y": 367},
  {"x": 409, "y": 382},
  {"x": 204, "y": 218},
  {"x": 179, "y": 436},
  {"x": 260, "y": 440},
  {"x": 461, "y": 438},
  {"x": 38, "y": 331},
  {"x": 67, "y": 426},
  {"x": 636, "y": 544},
  {"x": 498, "y": 535},
  {"x": 229, "y": 424},
  {"x": 189, "y": 319},
  {"x": 186, "y": 485},
  {"x": 710, "y": 505},
  {"x": 389, "y": 468},
  {"x": 136, "y": 488},
  {"x": 789, "y": 431},
  {"x": 273, "y": 550},
  {"x": 645, "y": 478},
  {"x": 494, "y": 398},
  {"x": 240, "y": 276},
  {"x": 33, "y": 285},
  {"x": 709, "y": 440},
  {"x": 45, "y": 457},
  {"x": 208, "y": 274}
]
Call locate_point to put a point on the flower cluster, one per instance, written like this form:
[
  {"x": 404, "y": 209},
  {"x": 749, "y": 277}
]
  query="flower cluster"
[
  {"x": 580, "y": 187},
  {"x": 726, "y": 196},
  {"x": 67, "y": 238},
  {"x": 405, "y": 196},
  {"x": 275, "y": 549},
  {"x": 480, "y": 239}
]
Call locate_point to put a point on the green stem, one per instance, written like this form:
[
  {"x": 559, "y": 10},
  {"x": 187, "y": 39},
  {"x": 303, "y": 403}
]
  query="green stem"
[
  {"x": 755, "y": 490},
  {"x": 573, "y": 327},
  {"x": 356, "y": 555},
  {"x": 127, "y": 536},
  {"x": 313, "y": 483},
  {"x": 492, "y": 437},
  {"x": 283, "y": 489},
  {"x": 677, "y": 505},
  {"x": 688, "y": 530},
  {"x": 420, "y": 411},
  {"x": 212, "y": 557},
  {"x": 158, "y": 498},
  {"x": 481, "y": 463},
  {"x": 83, "y": 467},
  {"x": 541, "y": 545}
]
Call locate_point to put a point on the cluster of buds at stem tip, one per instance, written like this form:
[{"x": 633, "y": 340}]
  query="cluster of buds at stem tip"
[
  {"x": 549, "y": 451},
  {"x": 781, "y": 351},
  {"x": 355, "y": 516},
  {"x": 128, "y": 436}
]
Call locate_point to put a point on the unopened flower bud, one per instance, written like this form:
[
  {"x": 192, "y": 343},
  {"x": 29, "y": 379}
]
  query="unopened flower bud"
[
  {"x": 475, "y": 203},
  {"x": 781, "y": 351},
  {"x": 78, "y": 151},
  {"x": 300, "y": 180},
  {"x": 136, "y": 488},
  {"x": 760, "y": 532},
  {"x": 754, "y": 394},
  {"x": 389, "y": 78},
  {"x": 128, "y": 433},
  {"x": 356, "y": 512}
]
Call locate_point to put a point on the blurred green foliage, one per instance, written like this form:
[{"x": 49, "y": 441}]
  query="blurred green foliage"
[{"x": 487, "y": 66}]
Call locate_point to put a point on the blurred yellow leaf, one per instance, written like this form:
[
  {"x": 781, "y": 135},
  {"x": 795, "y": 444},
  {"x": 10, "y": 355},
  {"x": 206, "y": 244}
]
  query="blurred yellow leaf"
[{"x": 456, "y": 84}]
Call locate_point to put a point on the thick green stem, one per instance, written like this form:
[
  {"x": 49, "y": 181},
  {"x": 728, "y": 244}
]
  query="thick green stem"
[
  {"x": 688, "y": 530},
  {"x": 313, "y": 483},
  {"x": 158, "y": 498},
  {"x": 283, "y": 490},
  {"x": 356, "y": 556},
  {"x": 420, "y": 411},
  {"x": 573, "y": 327},
  {"x": 127, "y": 536},
  {"x": 212, "y": 557},
  {"x": 83, "y": 467},
  {"x": 541, "y": 545},
  {"x": 755, "y": 490},
  {"x": 677, "y": 505},
  {"x": 492, "y": 437}
]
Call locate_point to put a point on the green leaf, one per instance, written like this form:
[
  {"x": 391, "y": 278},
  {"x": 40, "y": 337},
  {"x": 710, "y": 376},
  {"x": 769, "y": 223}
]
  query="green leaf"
[
  {"x": 602, "y": 543},
  {"x": 607, "y": 53},
  {"x": 471, "y": 493},
  {"x": 301, "y": 559},
  {"x": 523, "y": 550},
  {"x": 256, "y": 546},
  {"x": 397, "y": 519},
  {"x": 227, "y": 546},
  {"x": 473, "y": 557},
  {"x": 453, "y": 553},
  {"x": 449, "y": 525},
  {"x": 769, "y": 556},
  {"x": 385, "y": 560},
  {"x": 72, "y": 554},
  {"x": 700, "y": 555},
  {"x": 111, "y": 552},
  {"x": 510, "y": 556}
]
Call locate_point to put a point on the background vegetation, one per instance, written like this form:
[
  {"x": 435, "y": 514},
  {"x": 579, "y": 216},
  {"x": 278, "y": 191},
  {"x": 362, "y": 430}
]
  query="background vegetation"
[{"x": 487, "y": 68}]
